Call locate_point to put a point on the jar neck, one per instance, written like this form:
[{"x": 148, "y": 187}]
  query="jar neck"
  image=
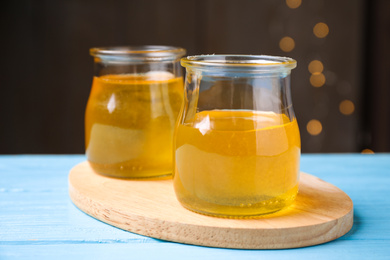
[
  {"x": 238, "y": 65},
  {"x": 237, "y": 84},
  {"x": 104, "y": 68},
  {"x": 137, "y": 60},
  {"x": 138, "y": 54}
]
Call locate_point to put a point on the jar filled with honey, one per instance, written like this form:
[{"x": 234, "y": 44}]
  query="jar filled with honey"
[
  {"x": 237, "y": 143},
  {"x": 135, "y": 99}
]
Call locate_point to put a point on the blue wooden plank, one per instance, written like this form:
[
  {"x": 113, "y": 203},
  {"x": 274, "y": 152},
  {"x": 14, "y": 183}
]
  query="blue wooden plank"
[
  {"x": 35, "y": 206},
  {"x": 377, "y": 250},
  {"x": 38, "y": 220},
  {"x": 366, "y": 179}
]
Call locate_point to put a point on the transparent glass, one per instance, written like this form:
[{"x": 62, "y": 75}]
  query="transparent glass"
[
  {"x": 237, "y": 143},
  {"x": 134, "y": 102}
]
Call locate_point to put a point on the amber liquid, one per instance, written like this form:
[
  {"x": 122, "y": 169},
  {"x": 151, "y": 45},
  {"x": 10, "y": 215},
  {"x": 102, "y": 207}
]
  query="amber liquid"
[
  {"x": 237, "y": 163},
  {"x": 129, "y": 124}
]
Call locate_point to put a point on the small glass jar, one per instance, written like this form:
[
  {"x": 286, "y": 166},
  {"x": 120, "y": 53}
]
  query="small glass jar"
[
  {"x": 134, "y": 102},
  {"x": 237, "y": 143}
]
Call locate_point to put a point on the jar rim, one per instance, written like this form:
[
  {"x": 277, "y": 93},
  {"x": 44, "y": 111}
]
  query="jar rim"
[
  {"x": 239, "y": 62},
  {"x": 138, "y": 53}
]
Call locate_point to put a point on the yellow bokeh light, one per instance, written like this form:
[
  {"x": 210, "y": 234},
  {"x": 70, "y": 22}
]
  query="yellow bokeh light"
[
  {"x": 367, "y": 151},
  {"x": 314, "y": 127},
  {"x": 317, "y": 79},
  {"x": 321, "y": 30},
  {"x": 293, "y": 3},
  {"x": 287, "y": 44},
  {"x": 315, "y": 66},
  {"x": 347, "y": 107}
]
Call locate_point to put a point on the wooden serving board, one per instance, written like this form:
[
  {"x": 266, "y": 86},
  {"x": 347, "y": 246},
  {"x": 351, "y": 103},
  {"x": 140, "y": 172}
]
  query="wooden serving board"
[{"x": 321, "y": 213}]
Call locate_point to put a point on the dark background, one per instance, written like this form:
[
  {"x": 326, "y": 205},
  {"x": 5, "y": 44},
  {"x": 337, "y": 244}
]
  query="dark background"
[{"x": 46, "y": 71}]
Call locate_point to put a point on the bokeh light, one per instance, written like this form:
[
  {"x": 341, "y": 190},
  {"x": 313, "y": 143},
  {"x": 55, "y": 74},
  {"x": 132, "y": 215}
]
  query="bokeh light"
[
  {"x": 367, "y": 151},
  {"x": 314, "y": 127},
  {"x": 293, "y": 3},
  {"x": 315, "y": 66},
  {"x": 317, "y": 79},
  {"x": 346, "y": 107},
  {"x": 287, "y": 44},
  {"x": 321, "y": 30}
]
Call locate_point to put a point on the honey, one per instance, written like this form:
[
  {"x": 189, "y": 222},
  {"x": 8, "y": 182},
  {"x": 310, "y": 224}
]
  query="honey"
[
  {"x": 237, "y": 162},
  {"x": 129, "y": 123}
]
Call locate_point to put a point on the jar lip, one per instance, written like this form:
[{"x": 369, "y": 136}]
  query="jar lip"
[
  {"x": 138, "y": 53},
  {"x": 240, "y": 62}
]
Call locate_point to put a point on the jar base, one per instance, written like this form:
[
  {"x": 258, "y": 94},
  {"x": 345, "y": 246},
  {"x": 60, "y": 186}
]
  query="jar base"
[
  {"x": 125, "y": 172},
  {"x": 243, "y": 216},
  {"x": 261, "y": 208}
]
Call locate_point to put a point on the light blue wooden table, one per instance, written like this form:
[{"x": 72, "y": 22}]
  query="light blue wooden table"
[{"x": 38, "y": 220}]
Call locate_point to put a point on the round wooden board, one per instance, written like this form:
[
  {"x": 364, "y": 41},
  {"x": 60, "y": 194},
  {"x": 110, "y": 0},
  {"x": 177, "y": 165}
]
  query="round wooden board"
[{"x": 321, "y": 213}]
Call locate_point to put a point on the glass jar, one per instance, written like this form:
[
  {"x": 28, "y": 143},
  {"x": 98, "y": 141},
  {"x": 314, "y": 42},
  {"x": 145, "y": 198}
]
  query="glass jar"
[
  {"x": 134, "y": 102},
  {"x": 237, "y": 142}
]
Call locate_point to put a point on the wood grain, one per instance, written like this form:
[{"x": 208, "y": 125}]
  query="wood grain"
[{"x": 321, "y": 213}]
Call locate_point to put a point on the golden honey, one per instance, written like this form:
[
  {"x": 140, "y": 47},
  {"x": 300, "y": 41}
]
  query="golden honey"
[
  {"x": 129, "y": 123},
  {"x": 237, "y": 162}
]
